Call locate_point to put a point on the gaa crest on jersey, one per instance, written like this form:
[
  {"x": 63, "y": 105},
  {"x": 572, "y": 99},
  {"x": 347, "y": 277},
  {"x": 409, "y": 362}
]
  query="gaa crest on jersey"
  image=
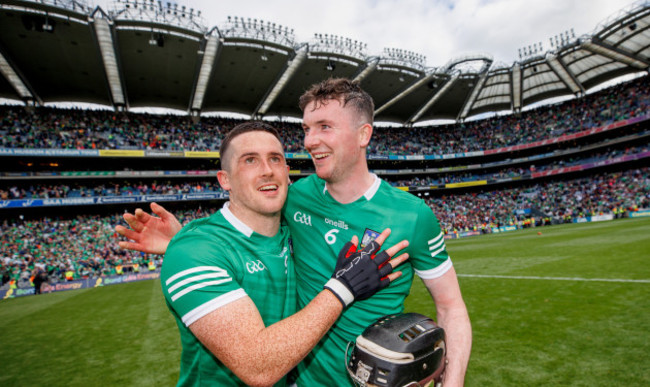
[
  {"x": 368, "y": 236},
  {"x": 255, "y": 266},
  {"x": 300, "y": 217}
]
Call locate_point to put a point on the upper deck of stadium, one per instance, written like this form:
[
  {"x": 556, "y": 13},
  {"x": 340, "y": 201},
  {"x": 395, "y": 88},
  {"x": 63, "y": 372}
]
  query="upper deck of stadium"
[{"x": 148, "y": 53}]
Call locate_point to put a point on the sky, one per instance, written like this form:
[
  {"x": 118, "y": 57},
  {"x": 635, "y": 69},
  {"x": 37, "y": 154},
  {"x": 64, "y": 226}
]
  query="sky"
[{"x": 441, "y": 30}]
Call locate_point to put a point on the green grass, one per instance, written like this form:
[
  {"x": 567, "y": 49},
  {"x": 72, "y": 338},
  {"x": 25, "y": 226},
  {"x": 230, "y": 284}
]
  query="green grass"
[
  {"x": 543, "y": 332},
  {"x": 116, "y": 335},
  {"x": 527, "y": 332}
]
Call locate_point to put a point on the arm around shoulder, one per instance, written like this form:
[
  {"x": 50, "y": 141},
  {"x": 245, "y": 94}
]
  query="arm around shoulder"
[{"x": 259, "y": 355}]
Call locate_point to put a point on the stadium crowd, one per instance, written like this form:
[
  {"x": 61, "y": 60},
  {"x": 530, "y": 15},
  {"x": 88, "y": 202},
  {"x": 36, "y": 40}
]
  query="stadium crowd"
[
  {"x": 553, "y": 202},
  {"x": 85, "y": 129},
  {"x": 50, "y": 191},
  {"x": 126, "y": 188},
  {"x": 86, "y": 246},
  {"x": 516, "y": 172},
  {"x": 610, "y": 105},
  {"x": 70, "y": 249}
]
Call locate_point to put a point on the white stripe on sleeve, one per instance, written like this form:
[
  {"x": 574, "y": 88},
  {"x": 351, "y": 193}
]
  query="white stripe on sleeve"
[
  {"x": 436, "y": 271},
  {"x": 212, "y": 305}
]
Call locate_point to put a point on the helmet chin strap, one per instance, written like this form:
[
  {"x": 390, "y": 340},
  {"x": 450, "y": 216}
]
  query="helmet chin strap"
[{"x": 355, "y": 379}]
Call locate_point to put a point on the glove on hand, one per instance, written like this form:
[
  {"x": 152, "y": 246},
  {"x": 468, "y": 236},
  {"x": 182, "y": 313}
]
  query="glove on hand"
[{"x": 359, "y": 274}]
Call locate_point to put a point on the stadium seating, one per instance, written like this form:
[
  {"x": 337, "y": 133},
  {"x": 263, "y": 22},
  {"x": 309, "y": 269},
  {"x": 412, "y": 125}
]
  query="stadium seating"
[{"x": 82, "y": 129}]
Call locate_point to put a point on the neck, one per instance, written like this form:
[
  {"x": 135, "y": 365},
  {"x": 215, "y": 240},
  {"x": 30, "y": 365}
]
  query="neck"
[
  {"x": 351, "y": 188},
  {"x": 263, "y": 224}
]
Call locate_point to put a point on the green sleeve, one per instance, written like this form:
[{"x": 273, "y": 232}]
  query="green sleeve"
[{"x": 428, "y": 252}]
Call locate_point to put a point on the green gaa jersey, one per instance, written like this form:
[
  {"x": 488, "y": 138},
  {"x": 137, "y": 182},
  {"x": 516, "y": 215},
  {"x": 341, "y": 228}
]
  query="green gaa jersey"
[
  {"x": 214, "y": 261},
  {"x": 320, "y": 226}
]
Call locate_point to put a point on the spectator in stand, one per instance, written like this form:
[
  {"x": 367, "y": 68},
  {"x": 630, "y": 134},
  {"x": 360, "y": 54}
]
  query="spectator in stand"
[{"x": 39, "y": 276}]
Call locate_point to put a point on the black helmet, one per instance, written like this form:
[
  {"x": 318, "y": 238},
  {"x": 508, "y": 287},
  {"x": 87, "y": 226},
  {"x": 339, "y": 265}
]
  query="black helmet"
[{"x": 399, "y": 350}]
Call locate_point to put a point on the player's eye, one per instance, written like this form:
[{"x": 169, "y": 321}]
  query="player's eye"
[
  {"x": 276, "y": 159},
  {"x": 249, "y": 160}
]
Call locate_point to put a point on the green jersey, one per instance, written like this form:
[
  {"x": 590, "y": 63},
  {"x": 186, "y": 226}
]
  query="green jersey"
[
  {"x": 214, "y": 261},
  {"x": 320, "y": 226}
]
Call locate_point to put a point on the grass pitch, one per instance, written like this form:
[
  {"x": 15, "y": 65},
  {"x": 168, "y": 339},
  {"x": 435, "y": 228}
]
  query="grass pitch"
[{"x": 569, "y": 307}]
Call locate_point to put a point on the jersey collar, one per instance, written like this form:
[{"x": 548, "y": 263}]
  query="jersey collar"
[
  {"x": 370, "y": 192},
  {"x": 236, "y": 223}
]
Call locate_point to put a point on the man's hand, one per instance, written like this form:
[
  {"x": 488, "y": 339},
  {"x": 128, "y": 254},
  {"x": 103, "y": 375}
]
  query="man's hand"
[
  {"x": 150, "y": 234},
  {"x": 360, "y": 274}
]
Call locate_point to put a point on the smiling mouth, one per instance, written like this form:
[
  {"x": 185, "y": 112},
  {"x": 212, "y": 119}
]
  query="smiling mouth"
[
  {"x": 268, "y": 187},
  {"x": 320, "y": 156}
]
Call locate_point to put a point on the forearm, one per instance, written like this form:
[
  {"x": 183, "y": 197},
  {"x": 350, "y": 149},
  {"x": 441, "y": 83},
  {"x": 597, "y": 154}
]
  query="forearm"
[
  {"x": 452, "y": 316},
  {"x": 262, "y": 355},
  {"x": 455, "y": 321},
  {"x": 283, "y": 345}
]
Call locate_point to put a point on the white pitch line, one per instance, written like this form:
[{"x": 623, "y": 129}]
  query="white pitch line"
[{"x": 642, "y": 281}]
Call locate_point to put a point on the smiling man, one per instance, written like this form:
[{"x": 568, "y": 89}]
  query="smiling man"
[
  {"x": 343, "y": 199},
  {"x": 229, "y": 279}
]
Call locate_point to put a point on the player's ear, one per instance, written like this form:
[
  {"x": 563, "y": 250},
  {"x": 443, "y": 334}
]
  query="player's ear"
[
  {"x": 224, "y": 180},
  {"x": 365, "y": 132}
]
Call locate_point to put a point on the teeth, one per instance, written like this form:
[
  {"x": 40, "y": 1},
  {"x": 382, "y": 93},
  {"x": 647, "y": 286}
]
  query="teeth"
[
  {"x": 321, "y": 155},
  {"x": 269, "y": 187}
]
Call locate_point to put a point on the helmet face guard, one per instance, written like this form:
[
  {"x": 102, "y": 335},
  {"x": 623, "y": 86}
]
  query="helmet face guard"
[{"x": 399, "y": 350}]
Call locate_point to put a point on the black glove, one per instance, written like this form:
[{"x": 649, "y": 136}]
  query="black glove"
[{"x": 359, "y": 274}]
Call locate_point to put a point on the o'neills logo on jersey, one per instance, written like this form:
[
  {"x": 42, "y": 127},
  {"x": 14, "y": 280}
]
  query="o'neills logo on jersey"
[
  {"x": 337, "y": 223},
  {"x": 302, "y": 218}
]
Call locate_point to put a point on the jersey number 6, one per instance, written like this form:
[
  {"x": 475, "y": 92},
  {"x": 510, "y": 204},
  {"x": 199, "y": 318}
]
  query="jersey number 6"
[{"x": 330, "y": 236}]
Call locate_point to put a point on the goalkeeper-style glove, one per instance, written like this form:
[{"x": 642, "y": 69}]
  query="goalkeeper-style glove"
[{"x": 359, "y": 274}]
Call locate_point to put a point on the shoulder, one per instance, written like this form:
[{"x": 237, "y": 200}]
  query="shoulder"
[
  {"x": 198, "y": 234},
  {"x": 204, "y": 243},
  {"x": 387, "y": 191},
  {"x": 304, "y": 191},
  {"x": 306, "y": 184},
  {"x": 408, "y": 205}
]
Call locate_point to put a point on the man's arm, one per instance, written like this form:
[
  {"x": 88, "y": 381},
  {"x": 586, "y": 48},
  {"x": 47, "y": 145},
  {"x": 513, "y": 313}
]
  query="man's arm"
[
  {"x": 259, "y": 355},
  {"x": 150, "y": 234},
  {"x": 452, "y": 316}
]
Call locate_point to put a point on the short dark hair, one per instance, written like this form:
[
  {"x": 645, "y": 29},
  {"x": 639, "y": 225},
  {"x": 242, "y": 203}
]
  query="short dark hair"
[
  {"x": 343, "y": 90},
  {"x": 249, "y": 126}
]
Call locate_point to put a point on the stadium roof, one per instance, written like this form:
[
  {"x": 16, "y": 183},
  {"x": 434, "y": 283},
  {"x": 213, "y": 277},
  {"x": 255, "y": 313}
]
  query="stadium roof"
[{"x": 146, "y": 54}]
